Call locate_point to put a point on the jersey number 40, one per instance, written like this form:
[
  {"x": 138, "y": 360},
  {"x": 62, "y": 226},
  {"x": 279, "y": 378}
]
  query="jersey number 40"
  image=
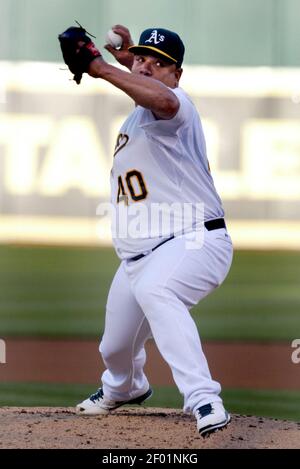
[{"x": 134, "y": 184}]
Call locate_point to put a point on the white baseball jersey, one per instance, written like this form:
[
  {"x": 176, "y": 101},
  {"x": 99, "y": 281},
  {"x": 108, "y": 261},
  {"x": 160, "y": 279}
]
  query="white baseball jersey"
[{"x": 159, "y": 162}]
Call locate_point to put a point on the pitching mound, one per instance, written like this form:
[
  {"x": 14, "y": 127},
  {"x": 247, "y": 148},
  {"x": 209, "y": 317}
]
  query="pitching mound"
[{"x": 136, "y": 428}]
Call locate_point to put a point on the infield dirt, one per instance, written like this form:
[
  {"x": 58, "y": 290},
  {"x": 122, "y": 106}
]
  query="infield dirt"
[{"x": 136, "y": 428}]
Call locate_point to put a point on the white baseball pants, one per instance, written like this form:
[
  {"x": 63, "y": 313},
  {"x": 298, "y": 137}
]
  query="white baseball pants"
[{"x": 151, "y": 297}]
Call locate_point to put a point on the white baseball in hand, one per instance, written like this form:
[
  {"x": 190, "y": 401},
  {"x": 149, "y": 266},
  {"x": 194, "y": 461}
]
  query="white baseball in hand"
[{"x": 114, "y": 39}]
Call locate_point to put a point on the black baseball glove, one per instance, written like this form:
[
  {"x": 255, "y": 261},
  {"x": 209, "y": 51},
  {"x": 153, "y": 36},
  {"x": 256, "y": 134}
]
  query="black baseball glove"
[{"x": 78, "y": 50}]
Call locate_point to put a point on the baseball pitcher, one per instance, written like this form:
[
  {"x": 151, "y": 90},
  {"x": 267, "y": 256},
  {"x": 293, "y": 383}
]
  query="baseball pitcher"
[{"x": 159, "y": 163}]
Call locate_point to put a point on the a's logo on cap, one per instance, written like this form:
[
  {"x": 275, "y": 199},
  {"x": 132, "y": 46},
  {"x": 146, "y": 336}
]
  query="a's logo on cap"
[{"x": 155, "y": 37}]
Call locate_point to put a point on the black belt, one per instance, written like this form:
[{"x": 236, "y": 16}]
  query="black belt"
[{"x": 210, "y": 225}]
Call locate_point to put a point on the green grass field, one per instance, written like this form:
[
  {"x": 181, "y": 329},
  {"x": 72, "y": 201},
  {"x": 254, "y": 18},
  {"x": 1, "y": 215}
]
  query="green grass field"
[
  {"x": 60, "y": 291},
  {"x": 269, "y": 403}
]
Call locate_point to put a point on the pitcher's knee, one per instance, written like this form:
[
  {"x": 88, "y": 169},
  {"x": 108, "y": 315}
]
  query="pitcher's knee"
[{"x": 112, "y": 351}]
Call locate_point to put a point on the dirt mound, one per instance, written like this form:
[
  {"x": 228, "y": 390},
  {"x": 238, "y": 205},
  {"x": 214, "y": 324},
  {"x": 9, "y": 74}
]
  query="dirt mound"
[{"x": 136, "y": 428}]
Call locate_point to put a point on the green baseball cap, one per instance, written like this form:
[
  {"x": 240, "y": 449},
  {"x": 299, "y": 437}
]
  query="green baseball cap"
[{"x": 161, "y": 43}]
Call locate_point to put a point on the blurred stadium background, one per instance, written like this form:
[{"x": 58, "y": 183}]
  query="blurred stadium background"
[{"x": 242, "y": 69}]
